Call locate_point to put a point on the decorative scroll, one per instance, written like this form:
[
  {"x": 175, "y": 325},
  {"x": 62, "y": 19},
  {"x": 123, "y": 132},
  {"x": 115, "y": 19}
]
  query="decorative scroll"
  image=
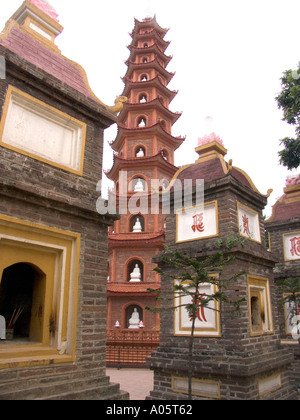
[
  {"x": 197, "y": 222},
  {"x": 207, "y": 323},
  {"x": 248, "y": 221},
  {"x": 291, "y": 244}
]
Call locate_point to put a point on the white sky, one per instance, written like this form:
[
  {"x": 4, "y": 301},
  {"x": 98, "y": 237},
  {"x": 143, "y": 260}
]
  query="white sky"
[{"x": 228, "y": 56}]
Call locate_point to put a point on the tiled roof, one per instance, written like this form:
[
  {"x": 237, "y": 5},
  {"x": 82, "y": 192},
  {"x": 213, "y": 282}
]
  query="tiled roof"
[
  {"x": 55, "y": 64},
  {"x": 288, "y": 206},
  {"x": 131, "y": 288}
]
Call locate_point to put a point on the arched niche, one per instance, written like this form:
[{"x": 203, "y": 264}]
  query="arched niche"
[
  {"x": 137, "y": 224},
  {"x": 131, "y": 266},
  {"x": 133, "y": 316}
]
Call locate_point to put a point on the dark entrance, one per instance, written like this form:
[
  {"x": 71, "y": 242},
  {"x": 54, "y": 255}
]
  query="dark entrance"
[{"x": 16, "y": 297}]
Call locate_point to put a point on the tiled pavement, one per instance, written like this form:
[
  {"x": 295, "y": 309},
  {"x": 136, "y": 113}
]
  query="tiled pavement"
[{"x": 138, "y": 382}]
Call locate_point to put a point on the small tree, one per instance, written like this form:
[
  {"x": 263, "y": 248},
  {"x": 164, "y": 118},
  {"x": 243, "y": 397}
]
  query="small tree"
[
  {"x": 191, "y": 273},
  {"x": 289, "y": 101}
]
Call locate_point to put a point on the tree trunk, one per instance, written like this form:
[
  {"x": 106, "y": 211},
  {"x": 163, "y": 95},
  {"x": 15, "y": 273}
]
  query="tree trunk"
[{"x": 190, "y": 363}]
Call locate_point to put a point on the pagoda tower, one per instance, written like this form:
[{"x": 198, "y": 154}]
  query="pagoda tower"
[{"x": 143, "y": 151}]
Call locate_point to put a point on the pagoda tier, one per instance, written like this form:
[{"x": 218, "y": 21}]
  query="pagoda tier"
[
  {"x": 136, "y": 71},
  {"x": 115, "y": 289},
  {"x": 161, "y": 111},
  {"x": 158, "y": 161},
  {"x": 148, "y": 26},
  {"x": 140, "y": 239},
  {"x": 157, "y": 129},
  {"x": 155, "y": 83},
  {"x": 152, "y": 49},
  {"x": 145, "y": 38}
]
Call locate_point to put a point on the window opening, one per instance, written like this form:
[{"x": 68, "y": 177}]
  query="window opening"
[{"x": 22, "y": 291}]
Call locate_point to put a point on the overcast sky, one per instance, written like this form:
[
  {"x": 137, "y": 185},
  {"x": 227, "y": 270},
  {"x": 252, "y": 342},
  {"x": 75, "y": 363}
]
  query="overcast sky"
[{"x": 228, "y": 56}]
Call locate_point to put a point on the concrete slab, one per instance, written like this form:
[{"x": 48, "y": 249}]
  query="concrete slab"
[{"x": 138, "y": 382}]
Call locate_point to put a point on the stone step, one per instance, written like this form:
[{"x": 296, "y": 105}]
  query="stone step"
[
  {"x": 110, "y": 392},
  {"x": 91, "y": 388},
  {"x": 55, "y": 379}
]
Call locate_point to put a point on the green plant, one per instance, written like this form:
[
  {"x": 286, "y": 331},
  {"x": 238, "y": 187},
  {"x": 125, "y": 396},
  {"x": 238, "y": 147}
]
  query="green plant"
[{"x": 191, "y": 273}]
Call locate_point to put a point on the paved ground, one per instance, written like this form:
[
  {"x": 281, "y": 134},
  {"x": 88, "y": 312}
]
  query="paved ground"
[{"x": 138, "y": 382}]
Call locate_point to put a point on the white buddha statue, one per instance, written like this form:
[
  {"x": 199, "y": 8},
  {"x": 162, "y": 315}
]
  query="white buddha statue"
[
  {"x": 139, "y": 186},
  {"x": 142, "y": 123},
  {"x": 135, "y": 319},
  {"x": 136, "y": 276},
  {"x": 137, "y": 226},
  {"x": 140, "y": 153}
]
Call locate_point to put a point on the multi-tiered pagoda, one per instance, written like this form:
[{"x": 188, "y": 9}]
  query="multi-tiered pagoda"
[{"x": 143, "y": 151}]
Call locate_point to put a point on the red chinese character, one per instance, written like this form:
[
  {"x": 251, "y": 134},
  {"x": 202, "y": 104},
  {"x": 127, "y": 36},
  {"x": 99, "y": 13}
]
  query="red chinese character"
[
  {"x": 200, "y": 312},
  {"x": 198, "y": 223},
  {"x": 295, "y": 246},
  {"x": 246, "y": 225}
]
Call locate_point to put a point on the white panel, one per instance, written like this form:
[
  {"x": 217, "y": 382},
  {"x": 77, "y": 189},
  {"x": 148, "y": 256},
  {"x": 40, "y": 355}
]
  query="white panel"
[
  {"x": 200, "y": 388},
  {"x": 291, "y": 243},
  {"x": 39, "y": 130},
  {"x": 207, "y": 322},
  {"x": 196, "y": 222},
  {"x": 248, "y": 223},
  {"x": 269, "y": 384}
]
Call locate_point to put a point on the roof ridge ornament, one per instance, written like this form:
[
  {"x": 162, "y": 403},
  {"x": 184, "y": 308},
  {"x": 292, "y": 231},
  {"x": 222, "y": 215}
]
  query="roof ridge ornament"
[{"x": 46, "y": 7}]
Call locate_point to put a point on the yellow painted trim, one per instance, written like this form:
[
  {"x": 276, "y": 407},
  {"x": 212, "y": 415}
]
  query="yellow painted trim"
[
  {"x": 41, "y": 237},
  {"x": 252, "y": 183},
  {"x": 39, "y": 37},
  {"x": 269, "y": 240},
  {"x": 202, "y": 237},
  {"x": 11, "y": 89},
  {"x": 29, "y": 20},
  {"x": 262, "y": 283},
  {"x": 297, "y": 232},
  {"x": 212, "y": 146},
  {"x": 292, "y": 189},
  {"x": 204, "y": 381},
  {"x": 38, "y": 12},
  {"x": 289, "y": 342}
]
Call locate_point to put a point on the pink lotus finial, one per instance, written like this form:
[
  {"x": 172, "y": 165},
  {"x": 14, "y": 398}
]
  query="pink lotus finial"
[
  {"x": 208, "y": 138},
  {"x": 46, "y": 8},
  {"x": 292, "y": 180}
]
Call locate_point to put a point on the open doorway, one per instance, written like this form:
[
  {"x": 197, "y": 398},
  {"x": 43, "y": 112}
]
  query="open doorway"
[{"x": 22, "y": 294}]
